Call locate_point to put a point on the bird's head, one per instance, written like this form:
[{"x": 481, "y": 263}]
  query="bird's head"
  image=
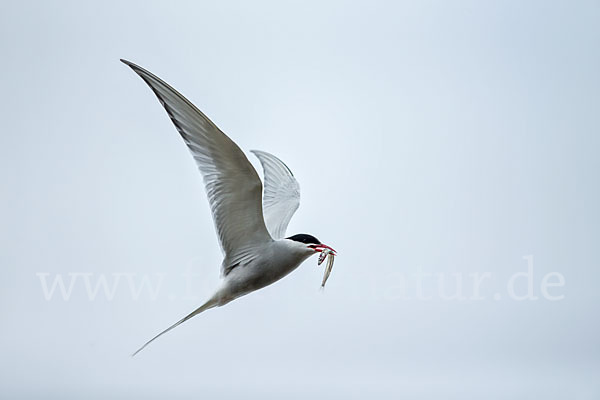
[{"x": 310, "y": 243}]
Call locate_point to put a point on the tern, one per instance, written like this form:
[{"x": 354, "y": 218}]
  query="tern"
[{"x": 250, "y": 226}]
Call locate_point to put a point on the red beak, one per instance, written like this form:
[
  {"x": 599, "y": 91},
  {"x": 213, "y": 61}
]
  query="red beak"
[{"x": 320, "y": 247}]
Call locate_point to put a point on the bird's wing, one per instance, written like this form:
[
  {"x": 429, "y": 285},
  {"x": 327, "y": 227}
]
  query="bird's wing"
[
  {"x": 281, "y": 198},
  {"x": 232, "y": 184}
]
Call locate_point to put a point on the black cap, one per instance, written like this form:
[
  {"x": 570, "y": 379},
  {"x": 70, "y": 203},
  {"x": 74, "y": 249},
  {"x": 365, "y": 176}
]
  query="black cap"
[{"x": 304, "y": 238}]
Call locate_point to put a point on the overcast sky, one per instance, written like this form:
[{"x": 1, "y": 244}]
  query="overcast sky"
[{"x": 447, "y": 150}]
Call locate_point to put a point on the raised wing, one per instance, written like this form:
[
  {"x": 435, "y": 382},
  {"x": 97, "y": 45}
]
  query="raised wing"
[
  {"x": 232, "y": 184},
  {"x": 282, "y": 194}
]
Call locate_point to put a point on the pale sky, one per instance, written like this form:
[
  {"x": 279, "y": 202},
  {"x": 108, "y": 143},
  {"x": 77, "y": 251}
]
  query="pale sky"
[{"x": 437, "y": 144}]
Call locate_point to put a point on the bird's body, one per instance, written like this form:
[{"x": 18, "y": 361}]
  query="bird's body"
[
  {"x": 250, "y": 226},
  {"x": 273, "y": 261}
]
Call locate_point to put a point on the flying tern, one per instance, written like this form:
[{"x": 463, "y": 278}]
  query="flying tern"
[{"x": 250, "y": 226}]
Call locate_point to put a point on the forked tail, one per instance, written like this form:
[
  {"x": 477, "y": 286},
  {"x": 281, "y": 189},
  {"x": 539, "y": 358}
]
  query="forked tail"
[{"x": 209, "y": 304}]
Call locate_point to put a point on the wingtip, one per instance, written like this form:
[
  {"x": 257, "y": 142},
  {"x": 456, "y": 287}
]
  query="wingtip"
[
  {"x": 259, "y": 153},
  {"x": 128, "y": 63}
]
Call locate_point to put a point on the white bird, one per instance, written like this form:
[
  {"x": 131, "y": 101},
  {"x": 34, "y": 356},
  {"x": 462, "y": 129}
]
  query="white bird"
[{"x": 251, "y": 232}]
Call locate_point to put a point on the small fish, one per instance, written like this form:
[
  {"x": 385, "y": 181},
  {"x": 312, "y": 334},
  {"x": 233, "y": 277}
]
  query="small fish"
[
  {"x": 323, "y": 255},
  {"x": 328, "y": 268}
]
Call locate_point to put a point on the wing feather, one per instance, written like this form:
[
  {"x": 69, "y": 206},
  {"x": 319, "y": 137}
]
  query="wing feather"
[
  {"x": 281, "y": 196},
  {"x": 232, "y": 184}
]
